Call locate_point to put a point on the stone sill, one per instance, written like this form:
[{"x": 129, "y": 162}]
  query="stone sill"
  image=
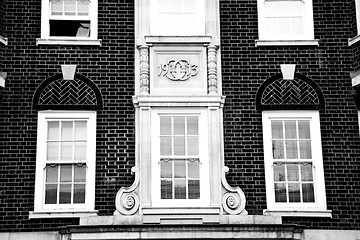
[
  {"x": 75, "y": 42},
  {"x": 3, "y": 40},
  {"x": 178, "y": 39},
  {"x": 62, "y": 214},
  {"x": 301, "y": 213},
  {"x": 354, "y": 40},
  {"x": 259, "y": 43},
  {"x": 148, "y": 100}
]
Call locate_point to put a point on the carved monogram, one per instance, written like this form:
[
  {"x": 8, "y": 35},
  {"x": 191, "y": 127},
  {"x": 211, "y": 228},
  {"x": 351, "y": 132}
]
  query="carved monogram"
[{"x": 178, "y": 70}]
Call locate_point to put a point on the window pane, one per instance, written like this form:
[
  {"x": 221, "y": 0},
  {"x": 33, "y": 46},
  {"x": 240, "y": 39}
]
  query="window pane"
[
  {"x": 278, "y": 149},
  {"x": 194, "y": 189},
  {"x": 165, "y": 146},
  {"x": 66, "y": 130},
  {"x": 306, "y": 172},
  {"x": 271, "y": 26},
  {"x": 166, "y": 189},
  {"x": 165, "y": 125},
  {"x": 166, "y": 169},
  {"x": 193, "y": 169},
  {"x": 270, "y": 8},
  {"x": 290, "y": 130},
  {"x": 296, "y": 8},
  {"x": 80, "y": 151},
  {"x": 192, "y": 126},
  {"x": 66, "y": 173},
  {"x": 283, "y": 8},
  {"x": 80, "y": 173},
  {"x": 66, "y": 151},
  {"x": 294, "y": 192},
  {"x": 179, "y": 146},
  {"x": 284, "y": 26},
  {"x": 305, "y": 149},
  {"x": 277, "y": 130},
  {"x": 292, "y": 172},
  {"x": 279, "y": 172},
  {"x": 193, "y": 145},
  {"x": 83, "y": 7},
  {"x": 297, "y": 26},
  {"x": 180, "y": 169},
  {"x": 70, "y": 7},
  {"x": 280, "y": 192},
  {"x": 180, "y": 189},
  {"x": 56, "y": 7},
  {"x": 52, "y": 174},
  {"x": 51, "y": 193},
  {"x": 69, "y": 28},
  {"x": 80, "y": 130},
  {"x": 79, "y": 193},
  {"x": 304, "y": 129},
  {"x": 65, "y": 194},
  {"x": 179, "y": 125},
  {"x": 53, "y": 131},
  {"x": 308, "y": 192},
  {"x": 52, "y": 152},
  {"x": 291, "y": 149}
]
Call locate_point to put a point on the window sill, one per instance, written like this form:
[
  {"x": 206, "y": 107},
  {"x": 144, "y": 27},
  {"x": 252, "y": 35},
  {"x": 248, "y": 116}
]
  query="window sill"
[
  {"x": 354, "y": 40},
  {"x": 259, "y": 43},
  {"x": 301, "y": 213},
  {"x": 62, "y": 214},
  {"x": 77, "y": 42},
  {"x": 3, "y": 40}
]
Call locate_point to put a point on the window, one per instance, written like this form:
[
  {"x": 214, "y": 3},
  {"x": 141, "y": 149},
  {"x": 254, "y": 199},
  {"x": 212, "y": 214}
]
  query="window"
[
  {"x": 65, "y": 169},
  {"x": 293, "y": 161},
  {"x": 180, "y": 162},
  {"x": 177, "y": 17},
  {"x": 285, "y": 20},
  {"x": 69, "y": 19}
]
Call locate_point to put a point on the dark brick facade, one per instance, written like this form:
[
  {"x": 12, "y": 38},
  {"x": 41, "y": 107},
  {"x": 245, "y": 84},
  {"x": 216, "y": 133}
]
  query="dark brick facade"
[{"x": 244, "y": 68}]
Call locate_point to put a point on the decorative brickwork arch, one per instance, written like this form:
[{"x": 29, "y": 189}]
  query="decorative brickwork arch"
[
  {"x": 55, "y": 93},
  {"x": 300, "y": 93}
]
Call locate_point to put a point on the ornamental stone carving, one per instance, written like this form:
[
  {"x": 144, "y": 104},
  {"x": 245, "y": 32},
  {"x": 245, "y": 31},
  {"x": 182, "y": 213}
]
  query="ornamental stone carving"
[
  {"x": 144, "y": 69},
  {"x": 212, "y": 69},
  {"x": 178, "y": 70}
]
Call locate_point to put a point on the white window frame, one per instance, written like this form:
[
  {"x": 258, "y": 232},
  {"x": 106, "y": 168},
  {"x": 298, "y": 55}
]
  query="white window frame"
[
  {"x": 318, "y": 208},
  {"x": 45, "y": 27},
  {"x": 308, "y": 26},
  {"x": 197, "y": 27},
  {"x": 46, "y": 210},
  {"x": 204, "y": 200}
]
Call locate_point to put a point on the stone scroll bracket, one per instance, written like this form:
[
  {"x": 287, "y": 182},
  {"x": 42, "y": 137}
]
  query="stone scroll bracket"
[
  {"x": 212, "y": 69},
  {"x": 144, "y": 69},
  {"x": 233, "y": 200},
  {"x": 127, "y": 201}
]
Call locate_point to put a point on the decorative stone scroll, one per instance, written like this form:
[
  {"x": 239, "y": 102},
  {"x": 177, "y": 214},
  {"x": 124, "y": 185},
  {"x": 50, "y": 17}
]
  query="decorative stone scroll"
[
  {"x": 178, "y": 70},
  {"x": 144, "y": 69},
  {"x": 212, "y": 69},
  {"x": 234, "y": 200},
  {"x": 127, "y": 201}
]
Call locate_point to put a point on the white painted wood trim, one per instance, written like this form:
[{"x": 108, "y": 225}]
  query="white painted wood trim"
[
  {"x": 354, "y": 40},
  {"x": 3, "y": 40},
  {"x": 259, "y": 43},
  {"x": 77, "y": 42}
]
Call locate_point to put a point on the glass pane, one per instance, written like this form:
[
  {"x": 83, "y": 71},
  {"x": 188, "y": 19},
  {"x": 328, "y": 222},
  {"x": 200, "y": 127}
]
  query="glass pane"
[
  {"x": 283, "y": 8},
  {"x": 50, "y": 193},
  {"x": 292, "y": 172},
  {"x": 65, "y": 193},
  {"x": 83, "y": 7},
  {"x": 294, "y": 192},
  {"x": 304, "y": 129},
  {"x": 79, "y": 193},
  {"x": 179, "y": 125},
  {"x": 80, "y": 130},
  {"x": 166, "y": 189},
  {"x": 180, "y": 169},
  {"x": 66, "y": 151},
  {"x": 165, "y": 146},
  {"x": 176, "y": 5},
  {"x": 56, "y": 7},
  {"x": 80, "y": 173},
  {"x": 189, "y": 6},
  {"x": 53, "y": 131},
  {"x": 192, "y": 126},
  {"x": 66, "y": 130},
  {"x": 193, "y": 169},
  {"x": 290, "y": 129},
  {"x": 271, "y": 26},
  {"x": 194, "y": 189},
  {"x": 166, "y": 169},
  {"x": 296, "y": 8},
  {"x": 165, "y": 125},
  {"x": 278, "y": 149},
  {"x": 306, "y": 172},
  {"x": 308, "y": 192},
  {"x": 80, "y": 151},
  {"x": 270, "y": 8},
  {"x": 69, "y": 28},
  {"x": 179, "y": 146},
  {"x": 70, "y": 7},
  {"x": 279, "y": 172},
  {"x": 305, "y": 149},
  {"x": 297, "y": 26},
  {"x": 66, "y": 173},
  {"x": 291, "y": 149},
  {"x": 180, "y": 189},
  {"x": 277, "y": 130},
  {"x": 193, "y": 146},
  {"x": 280, "y": 192},
  {"x": 284, "y": 26},
  {"x": 52, "y": 174},
  {"x": 164, "y": 5},
  {"x": 52, "y": 151}
]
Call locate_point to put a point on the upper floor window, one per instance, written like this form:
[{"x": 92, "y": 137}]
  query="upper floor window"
[
  {"x": 177, "y": 17},
  {"x": 285, "y": 20},
  {"x": 69, "y": 19}
]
